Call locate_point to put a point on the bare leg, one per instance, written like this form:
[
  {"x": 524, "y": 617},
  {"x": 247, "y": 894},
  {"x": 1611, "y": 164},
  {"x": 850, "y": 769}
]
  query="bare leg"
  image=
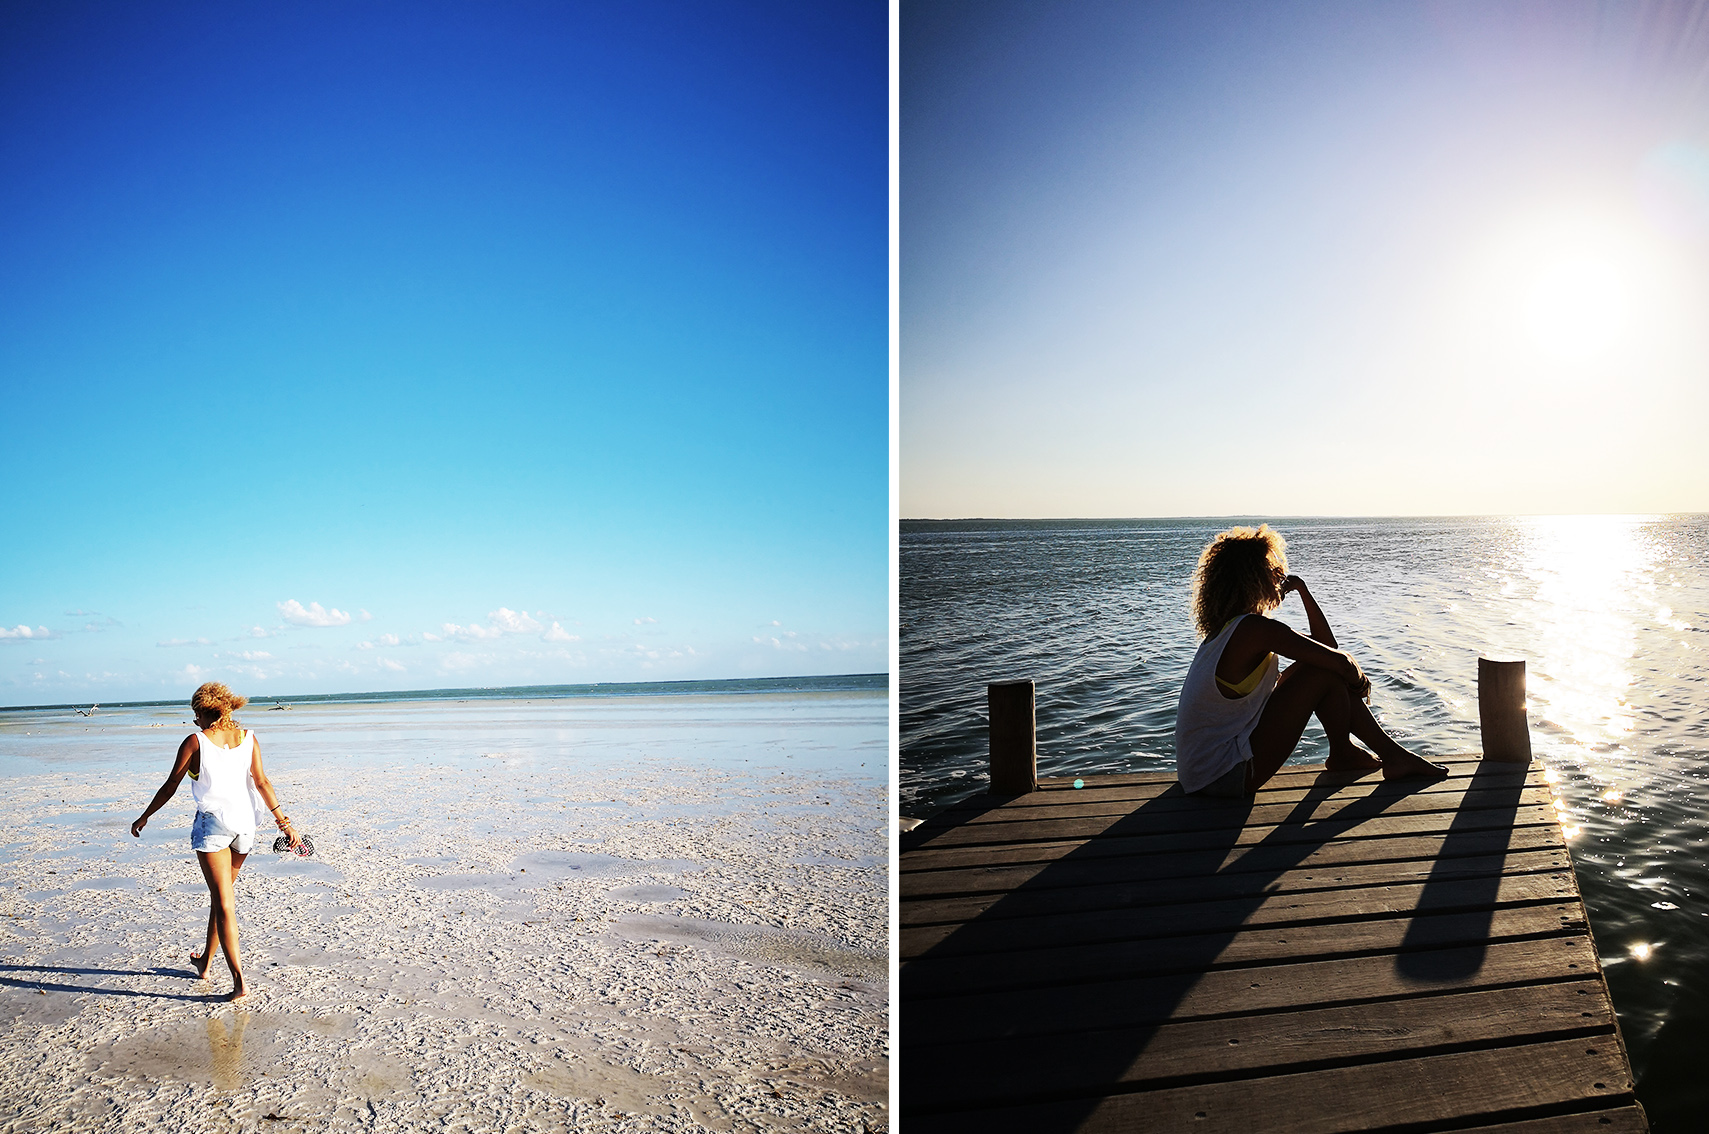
[
  {"x": 1398, "y": 762},
  {"x": 1303, "y": 691},
  {"x": 203, "y": 960},
  {"x": 217, "y": 871}
]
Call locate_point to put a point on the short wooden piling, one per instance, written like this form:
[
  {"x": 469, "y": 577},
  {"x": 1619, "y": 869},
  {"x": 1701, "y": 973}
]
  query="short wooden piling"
[
  {"x": 1501, "y": 711},
  {"x": 1014, "y": 743}
]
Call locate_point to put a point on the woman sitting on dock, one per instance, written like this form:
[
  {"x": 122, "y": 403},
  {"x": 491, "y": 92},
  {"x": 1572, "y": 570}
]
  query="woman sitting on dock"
[{"x": 1240, "y": 717}]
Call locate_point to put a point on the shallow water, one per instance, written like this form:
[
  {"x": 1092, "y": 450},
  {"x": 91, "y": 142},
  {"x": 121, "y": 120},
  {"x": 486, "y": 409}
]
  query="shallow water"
[
  {"x": 563, "y": 914},
  {"x": 1610, "y": 613}
]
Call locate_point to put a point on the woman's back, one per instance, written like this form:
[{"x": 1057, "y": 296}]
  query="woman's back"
[{"x": 221, "y": 783}]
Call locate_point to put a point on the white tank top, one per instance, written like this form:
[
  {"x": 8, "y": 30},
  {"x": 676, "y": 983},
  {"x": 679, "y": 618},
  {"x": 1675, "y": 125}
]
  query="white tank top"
[
  {"x": 223, "y": 786},
  {"x": 1213, "y": 731}
]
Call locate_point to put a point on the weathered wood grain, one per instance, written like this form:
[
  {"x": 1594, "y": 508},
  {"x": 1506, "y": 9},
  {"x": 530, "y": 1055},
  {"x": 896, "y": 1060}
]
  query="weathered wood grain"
[
  {"x": 1562, "y": 1075},
  {"x": 1347, "y": 822},
  {"x": 1335, "y": 954},
  {"x": 1071, "y": 854},
  {"x": 1024, "y": 1015},
  {"x": 937, "y": 975},
  {"x": 1123, "y": 883},
  {"x": 981, "y": 1072},
  {"x": 1035, "y": 930}
]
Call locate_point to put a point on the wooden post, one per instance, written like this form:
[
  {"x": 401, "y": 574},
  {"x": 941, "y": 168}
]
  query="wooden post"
[
  {"x": 1501, "y": 711},
  {"x": 1014, "y": 743}
]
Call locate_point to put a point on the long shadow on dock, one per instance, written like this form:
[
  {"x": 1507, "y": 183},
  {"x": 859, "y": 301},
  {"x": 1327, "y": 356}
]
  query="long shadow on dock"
[
  {"x": 1148, "y": 967},
  {"x": 1149, "y": 918},
  {"x": 1485, "y": 831}
]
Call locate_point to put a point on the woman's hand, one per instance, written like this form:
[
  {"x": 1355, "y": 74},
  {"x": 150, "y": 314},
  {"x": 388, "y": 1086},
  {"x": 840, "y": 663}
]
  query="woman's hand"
[
  {"x": 1292, "y": 583},
  {"x": 290, "y": 830},
  {"x": 136, "y": 828}
]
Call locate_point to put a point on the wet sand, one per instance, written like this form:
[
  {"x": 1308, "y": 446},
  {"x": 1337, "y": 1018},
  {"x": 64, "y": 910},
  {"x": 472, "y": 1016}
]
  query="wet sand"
[{"x": 667, "y": 914}]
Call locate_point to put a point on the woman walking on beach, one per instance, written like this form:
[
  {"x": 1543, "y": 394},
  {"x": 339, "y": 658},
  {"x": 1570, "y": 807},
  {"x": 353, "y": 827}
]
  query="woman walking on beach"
[
  {"x": 1240, "y": 716},
  {"x": 231, "y": 792}
]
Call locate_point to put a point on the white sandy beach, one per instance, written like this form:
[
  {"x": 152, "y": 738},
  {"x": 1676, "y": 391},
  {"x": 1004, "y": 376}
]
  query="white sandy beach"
[{"x": 631, "y": 914}]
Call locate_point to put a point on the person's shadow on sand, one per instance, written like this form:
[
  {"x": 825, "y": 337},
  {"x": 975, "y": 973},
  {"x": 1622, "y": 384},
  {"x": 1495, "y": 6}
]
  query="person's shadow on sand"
[{"x": 40, "y": 985}]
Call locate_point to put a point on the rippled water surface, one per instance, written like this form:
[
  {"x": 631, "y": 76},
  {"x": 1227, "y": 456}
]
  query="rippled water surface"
[{"x": 1611, "y": 615}]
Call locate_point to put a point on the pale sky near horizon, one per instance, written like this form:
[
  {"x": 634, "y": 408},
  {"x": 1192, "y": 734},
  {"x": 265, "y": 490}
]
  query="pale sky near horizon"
[
  {"x": 367, "y": 346},
  {"x": 1303, "y": 259}
]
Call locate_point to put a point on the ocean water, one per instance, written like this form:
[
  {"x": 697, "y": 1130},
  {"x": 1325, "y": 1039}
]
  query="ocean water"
[
  {"x": 816, "y": 723},
  {"x": 1611, "y": 615}
]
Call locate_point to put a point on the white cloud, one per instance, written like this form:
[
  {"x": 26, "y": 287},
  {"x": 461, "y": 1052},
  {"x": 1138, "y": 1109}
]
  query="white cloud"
[
  {"x": 364, "y": 645},
  {"x": 364, "y": 616},
  {"x": 471, "y": 631},
  {"x": 558, "y": 634},
  {"x": 512, "y": 622},
  {"x": 429, "y": 637},
  {"x": 185, "y": 642},
  {"x": 23, "y": 631},
  {"x": 646, "y": 621},
  {"x": 193, "y": 672},
  {"x": 391, "y": 665},
  {"x": 780, "y": 644},
  {"x": 386, "y": 640},
  {"x": 294, "y": 613},
  {"x": 258, "y": 632},
  {"x": 254, "y": 655}
]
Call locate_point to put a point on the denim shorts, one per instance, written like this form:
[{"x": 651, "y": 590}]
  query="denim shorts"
[
  {"x": 1230, "y": 785},
  {"x": 209, "y": 834}
]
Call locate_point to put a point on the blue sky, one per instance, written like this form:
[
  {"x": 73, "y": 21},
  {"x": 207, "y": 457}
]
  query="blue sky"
[
  {"x": 1306, "y": 258},
  {"x": 372, "y": 346}
]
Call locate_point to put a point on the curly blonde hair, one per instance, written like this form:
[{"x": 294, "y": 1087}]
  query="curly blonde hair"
[
  {"x": 215, "y": 697},
  {"x": 1239, "y": 572}
]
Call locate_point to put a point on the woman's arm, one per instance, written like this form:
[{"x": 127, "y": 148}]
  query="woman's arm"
[
  {"x": 1279, "y": 638},
  {"x": 1314, "y": 617},
  {"x": 180, "y": 765},
  {"x": 268, "y": 796}
]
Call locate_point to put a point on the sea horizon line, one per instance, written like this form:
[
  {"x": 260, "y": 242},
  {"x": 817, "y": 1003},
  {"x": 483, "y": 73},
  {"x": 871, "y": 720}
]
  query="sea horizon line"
[{"x": 808, "y": 683}]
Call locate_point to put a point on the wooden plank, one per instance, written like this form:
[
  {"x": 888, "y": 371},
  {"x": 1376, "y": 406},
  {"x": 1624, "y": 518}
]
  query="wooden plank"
[
  {"x": 984, "y": 1072},
  {"x": 917, "y": 865},
  {"x": 1282, "y": 788},
  {"x": 1145, "y": 998},
  {"x": 1332, "y": 954},
  {"x": 962, "y": 895},
  {"x": 1446, "y": 795},
  {"x": 1049, "y": 928},
  {"x": 1560, "y": 1076},
  {"x": 1297, "y": 778},
  {"x": 1617, "y": 1120},
  {"x": 1348, "y": 824},
  {"x": 938, "y": 975}
]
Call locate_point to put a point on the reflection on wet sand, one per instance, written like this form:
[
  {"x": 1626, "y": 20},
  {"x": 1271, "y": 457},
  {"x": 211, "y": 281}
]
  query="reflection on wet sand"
[{"x": 225, "y": 1049}]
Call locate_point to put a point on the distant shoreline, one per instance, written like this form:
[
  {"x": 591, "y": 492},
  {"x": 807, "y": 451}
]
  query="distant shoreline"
[{"x": 827, "y": 683}]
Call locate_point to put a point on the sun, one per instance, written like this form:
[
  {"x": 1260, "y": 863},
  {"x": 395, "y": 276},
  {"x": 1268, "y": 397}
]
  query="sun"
[
  {"x": 1575, "y": 287},
  {"x": 1577, "y": 305}
]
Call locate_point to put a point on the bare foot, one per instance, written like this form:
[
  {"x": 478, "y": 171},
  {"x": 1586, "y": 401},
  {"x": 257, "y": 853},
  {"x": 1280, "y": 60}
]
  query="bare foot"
[
  {"x": 237, "y": 993},
  {"x": 1352, "y": 758},
  {"x": 1404, "y": 765},
  {"x": 200, "y": 962}
]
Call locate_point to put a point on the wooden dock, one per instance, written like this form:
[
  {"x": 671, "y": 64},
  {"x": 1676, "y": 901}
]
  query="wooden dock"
[{"x": 1334, "y": 955}]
